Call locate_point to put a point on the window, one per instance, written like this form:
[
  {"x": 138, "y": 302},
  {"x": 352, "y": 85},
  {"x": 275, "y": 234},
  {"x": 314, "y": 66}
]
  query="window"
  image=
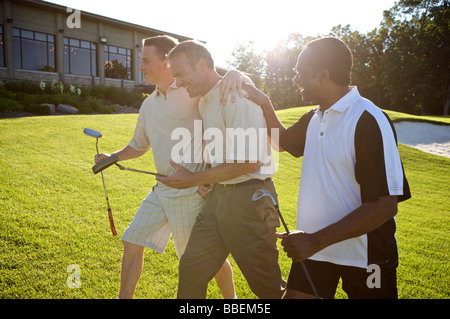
[
  {"x": 2, "y": 51},
  {"x": 117, "y": 62},
  {"x": 80, "y": 57},
  {"x": 33, "y": 50}
]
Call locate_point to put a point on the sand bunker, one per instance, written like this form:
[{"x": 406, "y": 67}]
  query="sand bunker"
[{"x": 427, "y": 137}]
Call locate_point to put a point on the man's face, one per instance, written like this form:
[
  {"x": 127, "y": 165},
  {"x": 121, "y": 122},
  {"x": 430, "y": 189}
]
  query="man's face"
[
  {"x": 151, "y": 66},
  {"x": 306, "y": 78},
  {"x": 186, "y": 76}
]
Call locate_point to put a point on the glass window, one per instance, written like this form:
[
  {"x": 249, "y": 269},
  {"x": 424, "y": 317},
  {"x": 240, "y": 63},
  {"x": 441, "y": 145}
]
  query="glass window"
[
  {"x": 40, "y": 36},
  {"x": 85, "y": 44},
  {"x": 33, "y": 51},
  {"x": 118, "y": 63},
  {"x": 27, "y": 34},
  {"x": 74, "y": 42},
  {"x": 79, "y": 57},
  {"x": 2, "y": 54}
]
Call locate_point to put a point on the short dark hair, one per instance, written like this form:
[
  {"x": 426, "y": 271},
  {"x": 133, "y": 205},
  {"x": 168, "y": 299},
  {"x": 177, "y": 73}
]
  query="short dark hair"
[
  {"x": 334, "y": 55},
  {"x": 194, "y": 51},
  {"x": 162, "y": 43}
]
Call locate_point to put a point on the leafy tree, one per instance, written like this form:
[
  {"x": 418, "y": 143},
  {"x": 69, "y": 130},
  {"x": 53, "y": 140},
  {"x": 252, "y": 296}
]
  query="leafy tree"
[
  {"x": 417, "y": 65},
  {"x": 247, "y": 60},
  {"x": 403, "y": 65}
]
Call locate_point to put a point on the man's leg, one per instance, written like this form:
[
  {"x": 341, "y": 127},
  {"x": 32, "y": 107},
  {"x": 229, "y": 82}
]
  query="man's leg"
[
  {"x": 132, "y": 263},
  {"x": 204, "y": 256},
  {"x": 149, "y": 228},
  {"x": 248, "y": 230},
  {"x": 224, "y": 279}
]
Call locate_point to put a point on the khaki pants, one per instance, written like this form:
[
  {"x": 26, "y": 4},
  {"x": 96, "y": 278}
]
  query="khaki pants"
[{"x": 231, "y": 222}]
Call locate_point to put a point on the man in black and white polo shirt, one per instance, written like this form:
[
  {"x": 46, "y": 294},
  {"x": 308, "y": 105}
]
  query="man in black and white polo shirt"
[{"x": 351, "y": 181}]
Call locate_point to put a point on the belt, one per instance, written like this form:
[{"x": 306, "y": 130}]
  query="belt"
[{"x": 252, "y": 181}]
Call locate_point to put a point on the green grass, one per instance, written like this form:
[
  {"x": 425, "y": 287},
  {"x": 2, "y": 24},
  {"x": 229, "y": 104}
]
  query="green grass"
[{"x": 53, "y": 213}]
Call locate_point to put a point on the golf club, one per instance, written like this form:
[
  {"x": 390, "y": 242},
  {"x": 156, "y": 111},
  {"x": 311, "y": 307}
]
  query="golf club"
[
  {"x": 260, "y": 193},
  {"x": 97, "y": 135},
  {"x": 112, "y": 160}
]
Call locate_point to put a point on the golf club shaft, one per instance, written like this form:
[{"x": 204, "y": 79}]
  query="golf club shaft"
[
  {"x": 313, "y": 287},
  {"x": 136, "y": 170},
  {"x": 110, "y": 216},
  {"x": 282, "y": 219}
]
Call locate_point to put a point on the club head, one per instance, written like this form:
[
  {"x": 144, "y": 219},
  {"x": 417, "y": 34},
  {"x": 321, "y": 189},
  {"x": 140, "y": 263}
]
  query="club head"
[
  {"x": 260, "y": 193},
  {"x": 92, "y": 133},
  {"x": 104, "y": 164}
]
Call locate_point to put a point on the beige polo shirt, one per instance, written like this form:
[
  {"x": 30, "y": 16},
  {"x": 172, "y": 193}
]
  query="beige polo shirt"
[
  {"x": 235, "y": 132},
  {"x": 166, "y": 125}
]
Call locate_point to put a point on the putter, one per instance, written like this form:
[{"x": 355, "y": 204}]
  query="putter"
[
  {"x": 97, "y": 135},
  {"x": 260, "y": 193},
  {"x": 112, "y": 160}
]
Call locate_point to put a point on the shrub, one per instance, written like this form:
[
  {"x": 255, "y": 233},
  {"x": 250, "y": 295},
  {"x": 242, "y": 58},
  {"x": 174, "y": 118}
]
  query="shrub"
[
  {"x": 4, "y": 93},
  {"x": 93, "y": 104},
  {"x": 10, "y": 105},
  {"x": 38, "y": 109},
  {"x": 23, "y": 87},
  {"x": 115, "y": 95}
]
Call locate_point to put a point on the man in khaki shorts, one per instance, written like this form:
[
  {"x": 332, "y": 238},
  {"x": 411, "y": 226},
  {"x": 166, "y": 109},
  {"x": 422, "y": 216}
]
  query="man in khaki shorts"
[
  {"x": 165, "y": 211},
  {"x": 230, "y": 222}
]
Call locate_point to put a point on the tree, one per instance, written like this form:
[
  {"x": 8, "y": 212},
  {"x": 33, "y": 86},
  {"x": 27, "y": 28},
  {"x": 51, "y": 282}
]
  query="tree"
[
  {"x": 247, "y": 60},
  {"x": 417, "y": 65}
]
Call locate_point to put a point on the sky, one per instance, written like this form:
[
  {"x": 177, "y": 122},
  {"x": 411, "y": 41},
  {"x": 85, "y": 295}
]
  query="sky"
[{"x": 226, "y": 24}]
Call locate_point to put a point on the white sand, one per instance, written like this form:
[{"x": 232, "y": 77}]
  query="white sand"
[{"x": 427, "y": 137}]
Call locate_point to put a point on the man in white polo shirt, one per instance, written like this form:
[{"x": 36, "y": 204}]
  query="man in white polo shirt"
[
  {"x": 230, "y": 222},
  {"x": 165, "y": 211},
  {"x": 351, "y": 181}
]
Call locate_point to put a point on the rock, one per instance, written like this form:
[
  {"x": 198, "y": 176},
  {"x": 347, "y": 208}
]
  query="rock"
[
  {"x": 51, "y": 107},
  {"x": 64, "y": 108}
]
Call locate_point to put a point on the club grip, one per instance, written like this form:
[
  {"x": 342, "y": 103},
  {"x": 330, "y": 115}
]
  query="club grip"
[{"x": 111, "y": 222}]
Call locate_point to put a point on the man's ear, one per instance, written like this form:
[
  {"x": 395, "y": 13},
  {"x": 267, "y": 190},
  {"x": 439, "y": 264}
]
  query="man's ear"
[
  {"x": 202, "y": 64},
  {"x": 324, "y": 76}
]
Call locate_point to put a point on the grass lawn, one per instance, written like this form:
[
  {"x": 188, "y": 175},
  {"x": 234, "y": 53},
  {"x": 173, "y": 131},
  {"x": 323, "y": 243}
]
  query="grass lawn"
[{"x": 53, "y": 213}]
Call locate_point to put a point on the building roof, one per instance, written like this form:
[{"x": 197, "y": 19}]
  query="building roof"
[{"x": 97, "y": 17}]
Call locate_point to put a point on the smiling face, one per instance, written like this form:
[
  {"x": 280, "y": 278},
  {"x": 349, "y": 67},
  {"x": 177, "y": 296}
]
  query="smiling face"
[
  {"x": 192, "y": 78},
  {"x": 307, "y": 78},
  {"x": 152, "y": 66}
]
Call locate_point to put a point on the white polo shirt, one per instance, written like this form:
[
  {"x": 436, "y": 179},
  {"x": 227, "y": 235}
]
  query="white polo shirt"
[
  {"x": 161, "y": 116},
  {"x": 350, "y": 156},
  {"x": 235, "y": 132}
]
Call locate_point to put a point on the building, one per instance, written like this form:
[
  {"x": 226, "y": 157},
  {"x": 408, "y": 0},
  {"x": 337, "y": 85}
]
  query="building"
[{"x": 42, "y": 41}]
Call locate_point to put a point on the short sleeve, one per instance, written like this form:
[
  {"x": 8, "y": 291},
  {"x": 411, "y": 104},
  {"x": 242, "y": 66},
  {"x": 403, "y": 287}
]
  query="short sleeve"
[
  {"x": 294, "y": 138},
  {"x": 378, "y": 167},
  {"x": 140, "y": 140}
]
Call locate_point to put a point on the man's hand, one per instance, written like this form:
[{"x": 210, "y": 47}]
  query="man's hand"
[
  {"x": 298, "y": 245},
  {"x": 180, "y": 178},
  {"x": 255, "y": 95},
  {"x": 100, "y": 157},
  {"x": 205, "y": 189},
  {"x": 232, "y": 81}
]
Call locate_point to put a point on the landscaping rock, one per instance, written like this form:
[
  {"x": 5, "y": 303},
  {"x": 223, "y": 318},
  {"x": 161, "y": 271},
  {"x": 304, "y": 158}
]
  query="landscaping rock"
[
  {"x": 51, "y": 107},
  {"x": 65, "y": 108}
]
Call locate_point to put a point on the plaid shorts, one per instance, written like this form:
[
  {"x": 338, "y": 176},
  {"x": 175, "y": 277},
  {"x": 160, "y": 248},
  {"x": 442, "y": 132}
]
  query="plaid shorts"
[{"x": 160, "y": 217}]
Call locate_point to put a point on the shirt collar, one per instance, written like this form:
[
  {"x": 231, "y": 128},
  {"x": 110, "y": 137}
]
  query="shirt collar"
[
  {"x": 173, "y": 85},
  {"x": 348, "y": 99},
  {"x": 210, "y": 95}
]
